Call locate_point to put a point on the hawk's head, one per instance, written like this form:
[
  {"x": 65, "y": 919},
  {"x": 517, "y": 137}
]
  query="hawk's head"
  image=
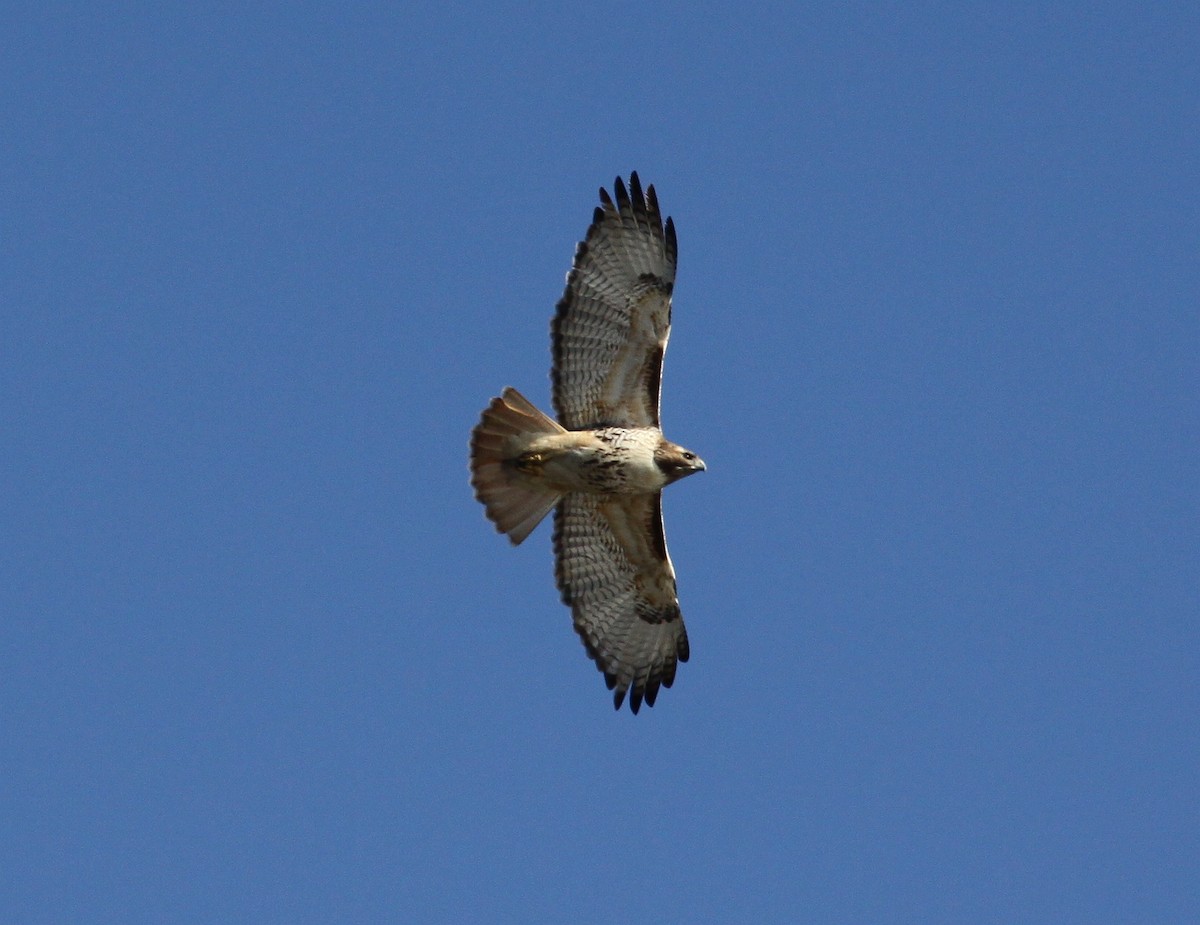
[{"x": 676, "y": 462}]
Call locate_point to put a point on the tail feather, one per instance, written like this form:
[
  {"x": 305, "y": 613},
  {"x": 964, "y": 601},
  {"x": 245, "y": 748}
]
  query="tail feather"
[{"x": 514, "y": 502}]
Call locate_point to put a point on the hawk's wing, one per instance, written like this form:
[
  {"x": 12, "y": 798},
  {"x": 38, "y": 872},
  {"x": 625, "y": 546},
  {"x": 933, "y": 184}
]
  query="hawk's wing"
[
  {"x": 612, "y": 323},
  {"x": 614, "y": 572}
]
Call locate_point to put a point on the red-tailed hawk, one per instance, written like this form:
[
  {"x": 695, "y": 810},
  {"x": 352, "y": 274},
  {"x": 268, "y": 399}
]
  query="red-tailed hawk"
[{"x": 603, "y": 465}]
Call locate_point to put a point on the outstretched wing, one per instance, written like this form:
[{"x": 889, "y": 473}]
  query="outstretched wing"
[
  {"x": 614, "y": 572},
  {"x": 610, "y": 330}
]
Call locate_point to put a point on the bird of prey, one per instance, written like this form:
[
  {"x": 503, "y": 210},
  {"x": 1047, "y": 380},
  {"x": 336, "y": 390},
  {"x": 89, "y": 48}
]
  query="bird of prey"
[{"x": 602, "y": 466}]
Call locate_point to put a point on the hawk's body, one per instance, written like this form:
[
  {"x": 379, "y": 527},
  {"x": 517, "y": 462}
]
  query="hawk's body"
[{"x": 604, "y": 464}]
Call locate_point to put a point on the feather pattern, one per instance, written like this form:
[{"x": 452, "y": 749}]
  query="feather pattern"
[
  {"x": 611, "y": 326},
  {"x": 614, "y": 572}
]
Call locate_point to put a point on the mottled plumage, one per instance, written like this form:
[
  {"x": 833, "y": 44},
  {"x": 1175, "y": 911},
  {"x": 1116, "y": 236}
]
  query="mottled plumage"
[{"x": 603, "y": 465}]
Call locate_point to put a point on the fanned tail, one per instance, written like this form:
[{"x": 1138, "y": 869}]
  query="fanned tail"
[{"x": 513, "y": 501}]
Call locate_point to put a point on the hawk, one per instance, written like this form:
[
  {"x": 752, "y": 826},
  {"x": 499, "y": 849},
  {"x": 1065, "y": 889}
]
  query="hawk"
[{"x": 603, "y": 464}]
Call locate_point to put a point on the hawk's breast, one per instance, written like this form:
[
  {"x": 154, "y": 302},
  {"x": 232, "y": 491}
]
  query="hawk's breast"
[{"x": 616, "y": 460}]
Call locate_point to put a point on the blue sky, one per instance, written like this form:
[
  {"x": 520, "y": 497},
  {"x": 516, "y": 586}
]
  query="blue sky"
[{"x": 262, "y": 659}]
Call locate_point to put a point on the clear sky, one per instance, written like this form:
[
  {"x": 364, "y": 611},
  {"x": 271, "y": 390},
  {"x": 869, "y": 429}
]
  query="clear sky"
[{"x": 262, "y": 660}]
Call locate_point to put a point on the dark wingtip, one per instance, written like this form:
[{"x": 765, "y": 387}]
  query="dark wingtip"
[
  {"x": 635, "y": 190},
  {"x": 621, "y": 194}
]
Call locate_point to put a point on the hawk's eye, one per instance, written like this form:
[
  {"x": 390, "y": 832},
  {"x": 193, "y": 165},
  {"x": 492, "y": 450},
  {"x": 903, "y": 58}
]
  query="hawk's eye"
[{"x": 689, "y": 456}]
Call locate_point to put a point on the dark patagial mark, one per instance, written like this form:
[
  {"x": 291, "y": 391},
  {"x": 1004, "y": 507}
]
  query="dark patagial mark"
[
  {"x": 652, "y": 376},
  {"x": 651, "y": 282},
  {"x": 654, "y": 528}
]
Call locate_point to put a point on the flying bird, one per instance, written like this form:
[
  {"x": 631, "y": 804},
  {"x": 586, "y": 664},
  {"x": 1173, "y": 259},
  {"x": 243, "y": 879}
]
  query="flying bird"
[{"x": 603, "y": 464}]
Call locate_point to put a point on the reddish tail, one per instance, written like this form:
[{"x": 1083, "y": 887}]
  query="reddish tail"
[{"x": 513, "y": 501}]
